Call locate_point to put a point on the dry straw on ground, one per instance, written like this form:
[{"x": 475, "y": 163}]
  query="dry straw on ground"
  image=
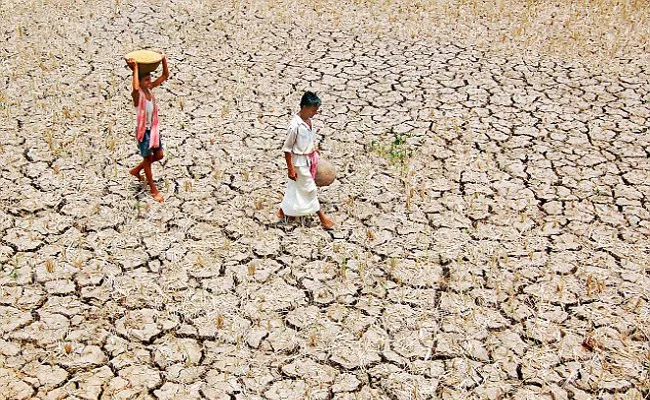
[{"x": 596, "y": 30}]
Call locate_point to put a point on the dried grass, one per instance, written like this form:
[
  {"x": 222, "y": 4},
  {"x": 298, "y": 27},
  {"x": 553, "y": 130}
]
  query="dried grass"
[{"x": 600, "y": 30}]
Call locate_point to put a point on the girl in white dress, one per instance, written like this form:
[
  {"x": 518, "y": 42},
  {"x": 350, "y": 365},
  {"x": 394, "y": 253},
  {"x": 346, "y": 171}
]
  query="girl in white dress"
[{"x": 301, "y": 155}]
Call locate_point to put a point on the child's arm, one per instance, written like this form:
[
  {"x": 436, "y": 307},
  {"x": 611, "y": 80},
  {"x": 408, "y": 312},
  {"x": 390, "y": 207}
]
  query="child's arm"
[
  {"x": 291, "y": 170},
  {"x": 165, "y": 75},
  {"x": 135, "y": 94},
  {"x": 287, "y": 148}
]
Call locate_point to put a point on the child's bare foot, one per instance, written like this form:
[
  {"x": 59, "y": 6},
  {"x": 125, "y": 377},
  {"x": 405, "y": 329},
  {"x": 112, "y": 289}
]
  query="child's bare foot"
[
  {"x": 324, "y": 221},
  {"x": 282, "y": 215},
  {"x": 327, "y": 223},
  {"x": 136, "y": 174},
  {"x": 157, "y": 196}
]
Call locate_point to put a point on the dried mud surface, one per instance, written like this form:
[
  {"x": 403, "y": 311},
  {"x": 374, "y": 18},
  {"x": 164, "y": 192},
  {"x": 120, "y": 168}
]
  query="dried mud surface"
[{"x": 492, "y": 214}]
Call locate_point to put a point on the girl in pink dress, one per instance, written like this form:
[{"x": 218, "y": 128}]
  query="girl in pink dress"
[{"x": 149, "y": 143}]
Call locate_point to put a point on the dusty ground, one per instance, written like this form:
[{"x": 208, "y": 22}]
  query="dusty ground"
[{"x": 493, "y": 210}]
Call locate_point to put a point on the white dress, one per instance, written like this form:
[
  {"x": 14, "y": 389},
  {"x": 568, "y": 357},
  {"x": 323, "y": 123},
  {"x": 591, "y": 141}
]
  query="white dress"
[
  {"x": 301, "y": 195},
  {"x": 148, "y": 108}
]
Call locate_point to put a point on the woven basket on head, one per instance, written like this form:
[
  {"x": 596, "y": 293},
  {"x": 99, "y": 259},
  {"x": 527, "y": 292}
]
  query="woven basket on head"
[
  {"x": 325, "y": 173},
  {"x": 147, "y": 60}
]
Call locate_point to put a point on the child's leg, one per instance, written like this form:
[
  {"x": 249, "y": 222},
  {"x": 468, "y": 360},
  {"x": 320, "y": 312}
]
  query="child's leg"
[
  {"x": 148, "y": 173},
  {"x": 326, "y": 222},
  {"x": 158, "y": 154},
  {"x": 136, "y": 171}
]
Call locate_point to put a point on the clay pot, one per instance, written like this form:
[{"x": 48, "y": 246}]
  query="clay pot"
[{"x": 325, "y": 173}]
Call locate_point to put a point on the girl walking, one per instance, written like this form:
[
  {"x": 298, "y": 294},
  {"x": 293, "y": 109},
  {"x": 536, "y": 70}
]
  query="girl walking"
[{"x": 149, "y": 143}]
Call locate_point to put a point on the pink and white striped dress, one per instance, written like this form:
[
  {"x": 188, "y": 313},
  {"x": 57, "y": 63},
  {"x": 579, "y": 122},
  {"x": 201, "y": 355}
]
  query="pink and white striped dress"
[{"x": 141, "y": 122}]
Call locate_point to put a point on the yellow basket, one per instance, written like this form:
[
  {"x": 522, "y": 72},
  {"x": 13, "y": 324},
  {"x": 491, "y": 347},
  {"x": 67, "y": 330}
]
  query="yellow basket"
[{"x": 147, "y": 60}]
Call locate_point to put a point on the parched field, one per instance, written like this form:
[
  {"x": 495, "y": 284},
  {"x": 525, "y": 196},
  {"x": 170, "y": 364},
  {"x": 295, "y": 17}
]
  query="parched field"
[{"x": 492, "y": 202}]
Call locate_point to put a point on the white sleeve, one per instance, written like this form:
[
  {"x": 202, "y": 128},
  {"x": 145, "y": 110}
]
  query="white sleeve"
[{"x": 292, "y": 136}]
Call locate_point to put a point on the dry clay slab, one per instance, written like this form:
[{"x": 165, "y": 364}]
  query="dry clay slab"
[{"x": 147, "y": 60}]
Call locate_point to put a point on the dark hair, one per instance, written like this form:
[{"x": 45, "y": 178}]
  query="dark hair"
[
  {"x": 142, "y": 76},
  {"x": 309, "y": 99}
]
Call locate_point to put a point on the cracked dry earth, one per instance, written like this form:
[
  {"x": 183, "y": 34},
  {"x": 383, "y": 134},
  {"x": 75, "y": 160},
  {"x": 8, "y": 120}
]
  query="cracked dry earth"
[{"x": 492, "y": 215}]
